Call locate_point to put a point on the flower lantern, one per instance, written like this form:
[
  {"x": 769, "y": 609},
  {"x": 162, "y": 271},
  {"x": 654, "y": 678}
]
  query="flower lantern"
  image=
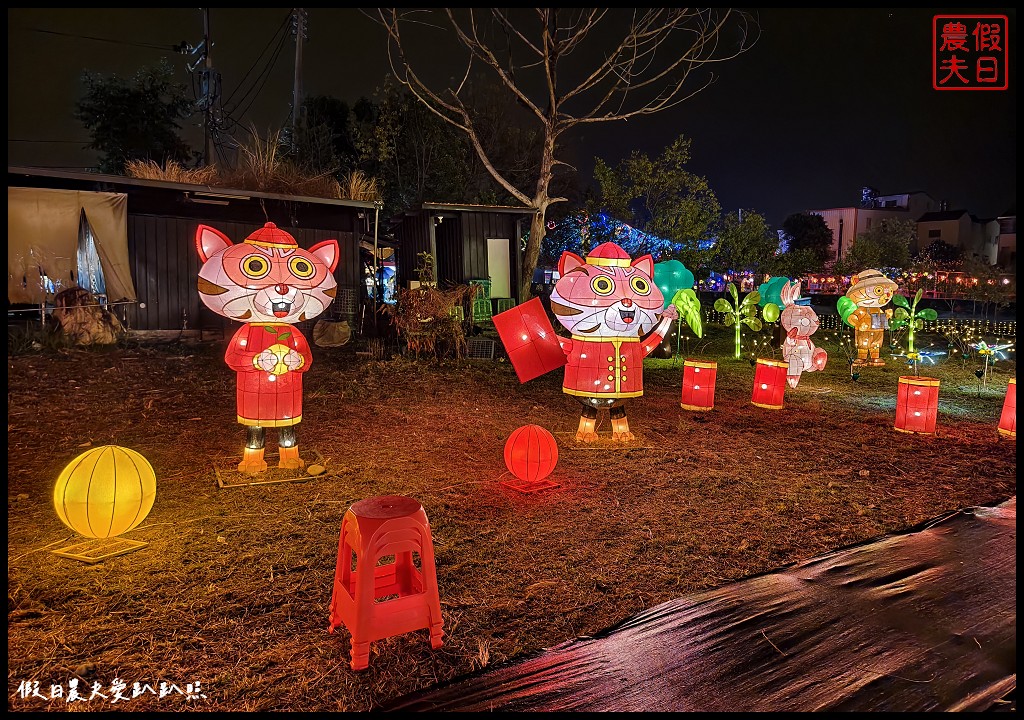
[
  {"x": 917, "y": 404},
  {"x": 1008, "y": 420},
  {"x": 531, "y": 453},
  {"x": 698, "y": 384},
  {"x": 105, "y": 491},
  {"x": 769, "y": 383}
]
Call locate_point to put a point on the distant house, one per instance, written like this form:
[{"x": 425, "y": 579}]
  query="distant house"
[
  {"x": 132, "y": 241},
  {"x": 468, "y": 243},
  {"x": 973, "y": 236},
  {"x": 1006, "y": 240},
  {"x": 846, "y": 223}
]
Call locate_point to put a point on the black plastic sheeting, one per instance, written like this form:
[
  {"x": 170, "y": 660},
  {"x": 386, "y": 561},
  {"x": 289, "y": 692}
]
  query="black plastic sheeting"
[{"x": 921, "y": 621}]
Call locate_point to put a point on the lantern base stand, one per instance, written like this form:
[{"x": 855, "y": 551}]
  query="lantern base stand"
[
  {"x": 273, "y": 475},
  {"x": 1012, "y": 434},
  {"x": 913, "y": 432},
  {"x": 529, "y": 486},
  {"x": 97, "y": 550},
  {"x": 697, "y": 408}
]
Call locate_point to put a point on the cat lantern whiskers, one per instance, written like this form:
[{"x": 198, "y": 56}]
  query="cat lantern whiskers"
[{"x": 267, "y": 283}]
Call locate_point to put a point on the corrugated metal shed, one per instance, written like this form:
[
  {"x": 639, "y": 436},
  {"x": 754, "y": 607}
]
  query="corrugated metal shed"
[{"x": 162, "y": 221}]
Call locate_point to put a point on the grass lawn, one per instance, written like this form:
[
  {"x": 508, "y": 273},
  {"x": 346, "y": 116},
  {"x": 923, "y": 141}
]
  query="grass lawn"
[{"x": 232, "y": 589}]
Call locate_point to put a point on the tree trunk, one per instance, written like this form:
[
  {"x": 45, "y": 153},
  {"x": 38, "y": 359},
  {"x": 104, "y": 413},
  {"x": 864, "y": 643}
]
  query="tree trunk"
[
  {"x": 531, "y": 256},
  {"x": 537, "y": 227}
]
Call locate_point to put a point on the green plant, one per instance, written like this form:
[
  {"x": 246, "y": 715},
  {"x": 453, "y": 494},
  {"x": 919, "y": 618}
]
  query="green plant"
[
  {"x": 688, "y": 304},
  {"x": 739, "y": 312},
  {"x": 24, "y": 339},
  {"x": 908, "y": 316}
]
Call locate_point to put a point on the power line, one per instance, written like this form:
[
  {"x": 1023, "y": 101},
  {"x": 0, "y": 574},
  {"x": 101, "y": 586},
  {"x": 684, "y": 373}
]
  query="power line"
[
  {"x": 262, "y": 80},
  {"x": 25, "y": 140},
  {"x": 162, "y": 48},
  {"x": 284, "y": 24}
]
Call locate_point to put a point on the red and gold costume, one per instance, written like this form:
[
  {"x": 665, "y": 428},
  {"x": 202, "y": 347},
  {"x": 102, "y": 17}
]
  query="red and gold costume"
[
  {"x": 604, "y": 367},
  {"x": 268, "y": 398}
]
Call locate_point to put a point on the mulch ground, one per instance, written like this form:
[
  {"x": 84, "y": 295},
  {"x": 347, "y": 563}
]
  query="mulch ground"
[{"x": 230, "y": 597}]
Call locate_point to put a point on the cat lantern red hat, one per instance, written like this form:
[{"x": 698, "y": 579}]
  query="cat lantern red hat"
[
  {"x": 267, "y": 282},
  {"x": 616, "y": 316}
]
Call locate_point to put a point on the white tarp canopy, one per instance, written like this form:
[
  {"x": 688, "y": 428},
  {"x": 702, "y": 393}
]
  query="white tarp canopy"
[{"x": 42, "y": 240}]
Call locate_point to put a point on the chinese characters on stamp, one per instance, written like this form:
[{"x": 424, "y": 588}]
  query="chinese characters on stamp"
[
  {"x": 117, "y": 692},
  {"x": 969, "y": 52}
]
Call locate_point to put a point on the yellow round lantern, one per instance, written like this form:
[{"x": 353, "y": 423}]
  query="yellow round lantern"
[{"x": 105, "y": 491}]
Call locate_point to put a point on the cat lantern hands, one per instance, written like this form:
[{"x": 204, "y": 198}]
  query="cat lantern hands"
[
  {"x": 267, "y": 283},
  {"x": 615, "y": 315}
]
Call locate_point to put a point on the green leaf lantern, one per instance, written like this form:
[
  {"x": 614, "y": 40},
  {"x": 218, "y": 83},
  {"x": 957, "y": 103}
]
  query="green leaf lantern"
[
  {"x": 671, "y": 276},
  {"x": 740, "y": 312},
  {"x": 676, "y": 282},
  {"x": 771, "y": 297},
  {"x": 845, "y": 307},
  {"x": 688, "y": 304},
  {"x": 907, "y": 314}
]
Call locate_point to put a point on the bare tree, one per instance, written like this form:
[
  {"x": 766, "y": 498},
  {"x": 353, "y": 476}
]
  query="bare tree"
[{"x": 567, "y": 68}]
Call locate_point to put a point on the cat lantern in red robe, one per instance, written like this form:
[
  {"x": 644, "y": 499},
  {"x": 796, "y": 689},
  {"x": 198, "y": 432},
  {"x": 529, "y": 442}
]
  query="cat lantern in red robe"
[
  {"x": 267, "y": 282},
  {"x": 611, "y": 307}
]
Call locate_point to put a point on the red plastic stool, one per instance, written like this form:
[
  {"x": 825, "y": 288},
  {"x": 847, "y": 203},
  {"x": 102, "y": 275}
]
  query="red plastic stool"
[{"x": 379, "y": 601}]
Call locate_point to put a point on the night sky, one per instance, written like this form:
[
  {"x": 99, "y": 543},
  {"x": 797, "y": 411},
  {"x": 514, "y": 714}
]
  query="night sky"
[{"x": 824, "y": 103}]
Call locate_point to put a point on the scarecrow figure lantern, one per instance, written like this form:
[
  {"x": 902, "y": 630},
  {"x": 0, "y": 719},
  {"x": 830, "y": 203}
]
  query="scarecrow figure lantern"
[
  {"x": 861, "y": 309},
  {"x": 267, "y": 282},
  {"x": 607, "y": 302}
]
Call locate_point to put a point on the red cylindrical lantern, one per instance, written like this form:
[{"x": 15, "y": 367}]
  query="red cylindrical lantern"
[
  {"x": 531, "y": 453},
  {"x": 917, "y": 404},
  {"x": 698, "y": 384},
  {"x": 1008, "y": 420},
  {"x": 769, "y": 383}
]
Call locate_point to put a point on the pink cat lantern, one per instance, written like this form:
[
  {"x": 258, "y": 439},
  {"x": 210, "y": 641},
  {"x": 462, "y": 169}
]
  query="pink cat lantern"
[
  {"x": 800, "y": 322},
  {"x": 267, "y": 283},
  {"x": 611, "y": 306}
]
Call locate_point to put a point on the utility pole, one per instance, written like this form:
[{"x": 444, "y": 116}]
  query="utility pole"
[
  {"x": 299, "y": 28},
  {"x": 209, "y": 83},
  {"x": 208, "y": 77}
]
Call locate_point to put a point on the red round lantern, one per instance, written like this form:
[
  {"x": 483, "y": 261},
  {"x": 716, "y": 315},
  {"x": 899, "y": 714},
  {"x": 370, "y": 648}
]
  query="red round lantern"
[{"x": 531, "y": 453}]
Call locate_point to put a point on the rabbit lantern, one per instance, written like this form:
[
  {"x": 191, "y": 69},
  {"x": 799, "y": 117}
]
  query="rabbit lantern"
[{"x": 799, "y": 321}]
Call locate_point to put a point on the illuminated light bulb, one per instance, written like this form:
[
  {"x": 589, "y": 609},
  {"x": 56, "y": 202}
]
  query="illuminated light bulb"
[
  {"x": 272, "y": 378},
  {"x": 583, "y": 356},
  {"x": 917, "y": 414},
  {"x": 526, "y": 337},
  {"x": 763, "y": 386},
  {"x": 242, "y": 342}
]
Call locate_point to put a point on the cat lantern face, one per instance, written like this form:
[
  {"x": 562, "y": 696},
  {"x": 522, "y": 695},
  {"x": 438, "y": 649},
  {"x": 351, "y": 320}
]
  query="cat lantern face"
[
  {"x": 267, "y": 278},
  {"x": 607, "y": 295}
]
